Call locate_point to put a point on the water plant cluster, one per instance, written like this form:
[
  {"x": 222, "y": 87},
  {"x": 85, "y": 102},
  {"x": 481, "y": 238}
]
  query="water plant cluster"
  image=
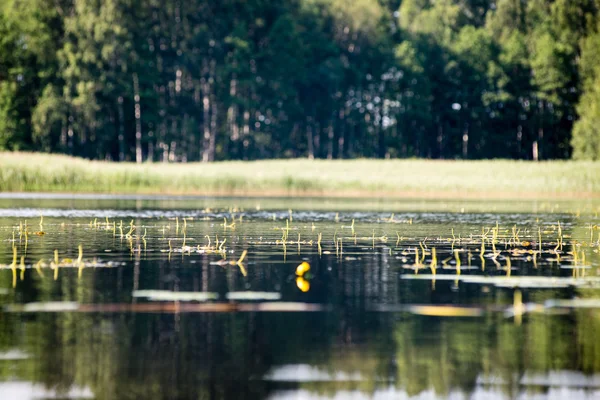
[{"x": 547, "y": 252}]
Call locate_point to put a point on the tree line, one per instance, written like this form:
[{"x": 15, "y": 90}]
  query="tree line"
[{"x": 173, "y": 80}]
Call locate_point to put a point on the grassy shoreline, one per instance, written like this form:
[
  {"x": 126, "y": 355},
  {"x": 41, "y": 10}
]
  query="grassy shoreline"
[{"x": 413, "y": 178}]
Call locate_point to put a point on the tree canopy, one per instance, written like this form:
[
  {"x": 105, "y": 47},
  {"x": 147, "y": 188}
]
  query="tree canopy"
[{"x": 249, "y": 79}]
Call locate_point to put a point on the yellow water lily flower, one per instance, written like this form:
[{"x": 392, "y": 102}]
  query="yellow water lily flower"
[{"x": 302, "y": 268}]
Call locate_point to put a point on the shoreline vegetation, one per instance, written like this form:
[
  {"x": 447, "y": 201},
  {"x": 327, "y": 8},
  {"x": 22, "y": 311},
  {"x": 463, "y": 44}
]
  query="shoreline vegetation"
[{"x": 397, "y": 178}]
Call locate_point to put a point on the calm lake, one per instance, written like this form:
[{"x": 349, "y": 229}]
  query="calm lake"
[{"x": 105, "y": 297}]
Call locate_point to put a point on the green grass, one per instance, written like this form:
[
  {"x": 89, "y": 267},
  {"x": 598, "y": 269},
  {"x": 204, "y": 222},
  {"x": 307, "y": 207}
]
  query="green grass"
[{"x": 25, "y": 172}]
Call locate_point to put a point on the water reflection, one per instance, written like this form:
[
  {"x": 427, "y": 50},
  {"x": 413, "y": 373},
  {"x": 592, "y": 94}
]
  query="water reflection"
[
  {"x": 360, "y": 335},
  {"x": 259, "y": 354}
]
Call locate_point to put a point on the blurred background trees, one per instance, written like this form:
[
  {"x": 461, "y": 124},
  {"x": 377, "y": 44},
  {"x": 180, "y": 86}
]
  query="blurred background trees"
[{"x": 204, "y": 80}]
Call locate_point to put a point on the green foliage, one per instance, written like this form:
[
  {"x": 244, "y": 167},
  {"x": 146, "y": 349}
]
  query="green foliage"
[
  {"x": 47, "y": 118},
  {"x": 201, "y": 80},
  {"x": 586, "y": 132},
  {"x": 7, "y": 114}
]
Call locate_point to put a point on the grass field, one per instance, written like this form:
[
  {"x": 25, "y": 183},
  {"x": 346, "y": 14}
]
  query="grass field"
[{"x": 26, "y": 172}]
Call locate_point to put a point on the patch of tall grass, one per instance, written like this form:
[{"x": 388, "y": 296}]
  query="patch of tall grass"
[{"x": 26, "y": 172}]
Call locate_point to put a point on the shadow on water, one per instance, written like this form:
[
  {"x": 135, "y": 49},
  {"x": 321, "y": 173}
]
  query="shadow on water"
[{"x": 375, "y": 317}]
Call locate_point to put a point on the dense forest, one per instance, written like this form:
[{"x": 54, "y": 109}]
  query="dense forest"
[{"x": 174, "y": 80}]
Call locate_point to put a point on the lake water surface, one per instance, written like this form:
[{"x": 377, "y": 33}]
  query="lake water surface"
[{"x": 341, "y": 299}]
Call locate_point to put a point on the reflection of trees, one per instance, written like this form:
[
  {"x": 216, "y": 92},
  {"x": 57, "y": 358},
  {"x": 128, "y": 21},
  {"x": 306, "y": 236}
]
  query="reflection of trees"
[
  {"x": 181, "y": 356},
  {"x": 459, "y": 354},
  {"x": 433, "y": 354},
  {"x": 145, "y": 356},
  {"x": 588, "y": 345},
  {"x": 166, "y": 355},
  {"x": 132, "y": 356},
  {"x": 453, "y": 353},
  {"x": 152, "y": 355},
  {"x": 220, "y": 355},
  {"x": 225, "y": 355}
]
